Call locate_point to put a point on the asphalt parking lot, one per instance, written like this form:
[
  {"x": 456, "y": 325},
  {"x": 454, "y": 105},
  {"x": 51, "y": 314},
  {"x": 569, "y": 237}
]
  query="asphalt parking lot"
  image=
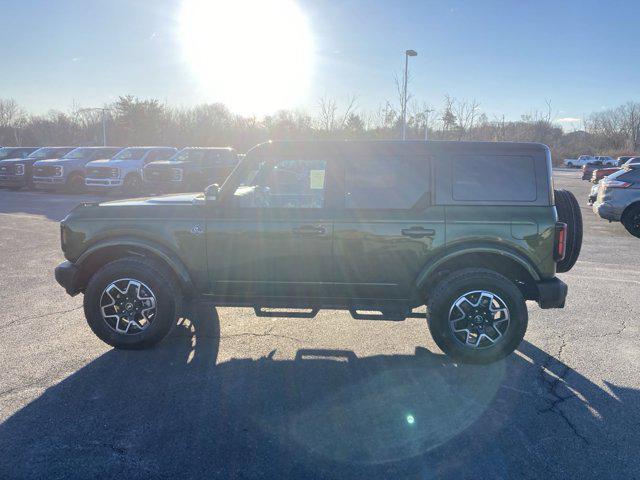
[{"x": 329, "y": 397}]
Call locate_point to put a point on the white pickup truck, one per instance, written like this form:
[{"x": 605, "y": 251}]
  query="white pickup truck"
[{"x": 586, "y": 159}]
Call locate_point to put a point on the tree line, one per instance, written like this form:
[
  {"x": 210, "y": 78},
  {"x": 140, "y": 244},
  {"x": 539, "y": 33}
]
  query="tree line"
[{"x": 134, "y": 121}]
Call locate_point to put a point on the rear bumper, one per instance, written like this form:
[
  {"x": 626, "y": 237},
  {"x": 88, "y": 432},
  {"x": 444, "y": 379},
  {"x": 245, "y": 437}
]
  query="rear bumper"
[
  {"x": 67, "y": 276},
  {"x": 552, "y": 293},
  {"x": 607, "y": 211}
]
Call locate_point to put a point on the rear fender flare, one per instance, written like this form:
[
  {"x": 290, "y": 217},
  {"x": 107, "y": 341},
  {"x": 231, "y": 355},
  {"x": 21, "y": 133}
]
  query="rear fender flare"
[{"x": 427, "y": 270}]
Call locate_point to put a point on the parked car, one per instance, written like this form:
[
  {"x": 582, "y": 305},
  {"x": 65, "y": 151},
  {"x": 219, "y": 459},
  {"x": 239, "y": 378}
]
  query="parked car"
[
  {"x": 600, "y": 173},
  {"x": 621, "y": 160},
  {"x": 67, "y": 172},
  {"x": 618, "y": 199},
  {"x": 15, "y": 152},
  {"x": 349, "y": 225},
  {"x": 607, "y": 161},
  {"x": 16, "y": 173},
  {"x": 588, "y": 169},
  {"x": 579, "y": 162},
  {"x": 124, "y": 170},
  {"x": 190, "y": 170}
]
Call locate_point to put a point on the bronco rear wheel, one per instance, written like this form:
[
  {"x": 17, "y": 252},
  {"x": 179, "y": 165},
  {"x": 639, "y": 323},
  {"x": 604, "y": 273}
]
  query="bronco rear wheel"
[
  {"x": 569, "y": 212},
  {"x": 131, "y": 303},
  {"x": 476, "y": 315}
]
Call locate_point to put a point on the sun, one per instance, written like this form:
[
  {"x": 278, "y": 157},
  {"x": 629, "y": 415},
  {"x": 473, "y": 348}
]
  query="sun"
[{"x": 255, "y": 56}]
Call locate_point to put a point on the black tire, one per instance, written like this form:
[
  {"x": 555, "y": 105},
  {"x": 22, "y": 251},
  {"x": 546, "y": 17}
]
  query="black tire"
[
  {"x": 631, "y": 220},
  {"x": 161, "y": 285},
  {"x": 75, "y": 184},
  {"x": 569, "y": 212},
  {"x": 132, "y": 184},
  {"x": 570, "y": 165},
  {"x": 450, "y": 289}
]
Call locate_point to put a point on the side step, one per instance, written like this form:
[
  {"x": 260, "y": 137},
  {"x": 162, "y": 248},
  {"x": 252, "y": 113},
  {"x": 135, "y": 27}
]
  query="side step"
[{"x": 291, "y": 313}]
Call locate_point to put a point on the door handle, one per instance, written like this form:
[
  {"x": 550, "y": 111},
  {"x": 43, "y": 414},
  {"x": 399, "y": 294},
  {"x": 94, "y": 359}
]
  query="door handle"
[
  {"x": 418, "y": 232},
  {"x": 309, "y": 230}
]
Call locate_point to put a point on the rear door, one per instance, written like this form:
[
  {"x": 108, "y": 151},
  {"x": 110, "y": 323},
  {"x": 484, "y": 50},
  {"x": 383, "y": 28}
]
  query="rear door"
[
  {"x": 388, "y": 227},
  {"x": 273, "y": 237}
]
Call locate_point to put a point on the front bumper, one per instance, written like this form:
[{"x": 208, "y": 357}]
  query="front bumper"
[
  {"x": 99, "y": 183},
  {"x": 67, "y": 276},
  {"x": 48, "y": 183},
  {"x": 13, "y": 181},
  {"x": 552, "y": 293}
]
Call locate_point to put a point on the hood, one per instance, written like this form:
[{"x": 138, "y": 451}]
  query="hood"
[
  {"x": 107, "y": 162},
  {"x": 50, "y": 161},
  {"x": 181, "y": 199},
  {"x": 168, "y": 163},
  {"x": 18, "y": 160}
]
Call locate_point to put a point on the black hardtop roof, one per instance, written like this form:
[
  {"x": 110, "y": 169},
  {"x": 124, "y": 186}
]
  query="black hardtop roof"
[
  {"x": 393, "y": 147},
  {"x": 150, "y": 146}
]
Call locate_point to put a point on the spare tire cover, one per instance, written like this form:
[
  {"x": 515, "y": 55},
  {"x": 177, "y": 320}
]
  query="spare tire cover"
[{"x": 569, "y": 212}]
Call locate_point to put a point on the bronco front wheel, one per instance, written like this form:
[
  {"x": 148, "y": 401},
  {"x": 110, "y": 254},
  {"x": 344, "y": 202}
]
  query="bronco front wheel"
[
  {"x": 477, "y": 316},
  {"x": 131, "y": 303}
]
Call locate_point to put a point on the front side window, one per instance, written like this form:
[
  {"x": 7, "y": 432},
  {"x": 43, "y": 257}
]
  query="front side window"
[
  {"x": 7, "y": 152},
  {"x": 283, "y": 184},
  {"x": 79, "y": 153},
  {"x": 386, "y": 183},
  {"x": 130, "y": 154},
  {"x": 500, "y": 178},
  {"x": 46, "y": 152}
]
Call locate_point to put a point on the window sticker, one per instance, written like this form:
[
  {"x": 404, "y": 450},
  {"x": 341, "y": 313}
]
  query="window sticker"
[{"x": 316, "y": 179}]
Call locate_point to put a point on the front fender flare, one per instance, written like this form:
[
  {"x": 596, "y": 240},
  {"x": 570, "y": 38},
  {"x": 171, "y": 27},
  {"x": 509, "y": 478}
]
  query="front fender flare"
[{"x": 164, "y": 254}]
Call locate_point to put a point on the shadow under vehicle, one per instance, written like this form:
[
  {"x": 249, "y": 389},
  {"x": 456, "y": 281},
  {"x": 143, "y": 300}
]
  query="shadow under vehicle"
[{"x": 175, "y": 411}]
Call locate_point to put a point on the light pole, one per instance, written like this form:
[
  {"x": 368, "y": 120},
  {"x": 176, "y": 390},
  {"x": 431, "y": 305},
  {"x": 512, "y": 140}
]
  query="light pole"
[
  {"x": 407, "y": 54},
  {"x": 104, "y": 121}
]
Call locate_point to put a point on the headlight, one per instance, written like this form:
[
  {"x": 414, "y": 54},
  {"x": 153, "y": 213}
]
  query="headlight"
[
  {"x": 115, "y": 172},
  {"x": 19, "y": 169},
  {"x": 177, "y": 174}
]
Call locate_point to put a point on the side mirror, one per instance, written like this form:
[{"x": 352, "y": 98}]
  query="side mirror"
[{"x": 211, "y": 192}]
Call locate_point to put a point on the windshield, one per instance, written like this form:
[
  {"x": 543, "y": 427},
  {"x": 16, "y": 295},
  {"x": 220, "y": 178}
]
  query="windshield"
[
  {"x": 79, "y": 153},
  {"x": 632, "y": 161},
  {"x": 130, "y": 154},
  {"x": 45, "y": 152},
  {"x": 193, "y": 155}
]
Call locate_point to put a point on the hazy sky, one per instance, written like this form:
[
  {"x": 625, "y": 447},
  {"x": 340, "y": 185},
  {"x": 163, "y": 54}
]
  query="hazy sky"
[{"x": 509, "y": 55}]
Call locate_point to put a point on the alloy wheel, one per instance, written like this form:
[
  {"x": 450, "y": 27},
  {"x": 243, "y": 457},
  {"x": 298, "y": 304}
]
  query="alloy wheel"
[
  {"x": 479, "y": 319},
  {"x": 128, "y": 306}
]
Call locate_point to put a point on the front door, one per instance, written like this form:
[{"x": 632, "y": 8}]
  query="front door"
[
  {"x": 273, "y": 237},
  {"x": 388, "y": 228}
]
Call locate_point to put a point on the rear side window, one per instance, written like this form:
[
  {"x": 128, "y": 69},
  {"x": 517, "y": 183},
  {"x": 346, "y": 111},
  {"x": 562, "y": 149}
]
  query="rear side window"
[
  {"x": 386, "y": 183},
  {"x": 499, "y": 178},
  {"x": 631, "y": 175}
]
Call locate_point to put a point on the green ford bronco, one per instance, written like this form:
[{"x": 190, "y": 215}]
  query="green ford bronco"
[{"x": 472, "y": 230}]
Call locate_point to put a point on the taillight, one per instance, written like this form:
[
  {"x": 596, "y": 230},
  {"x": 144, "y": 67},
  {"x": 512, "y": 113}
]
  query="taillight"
[
  {"x": 560, "y": 244},
  {"x": 615, "y": 184}
]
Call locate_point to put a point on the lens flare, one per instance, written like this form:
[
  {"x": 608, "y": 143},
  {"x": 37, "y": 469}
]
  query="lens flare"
[{"x": 255, "y": 56}]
